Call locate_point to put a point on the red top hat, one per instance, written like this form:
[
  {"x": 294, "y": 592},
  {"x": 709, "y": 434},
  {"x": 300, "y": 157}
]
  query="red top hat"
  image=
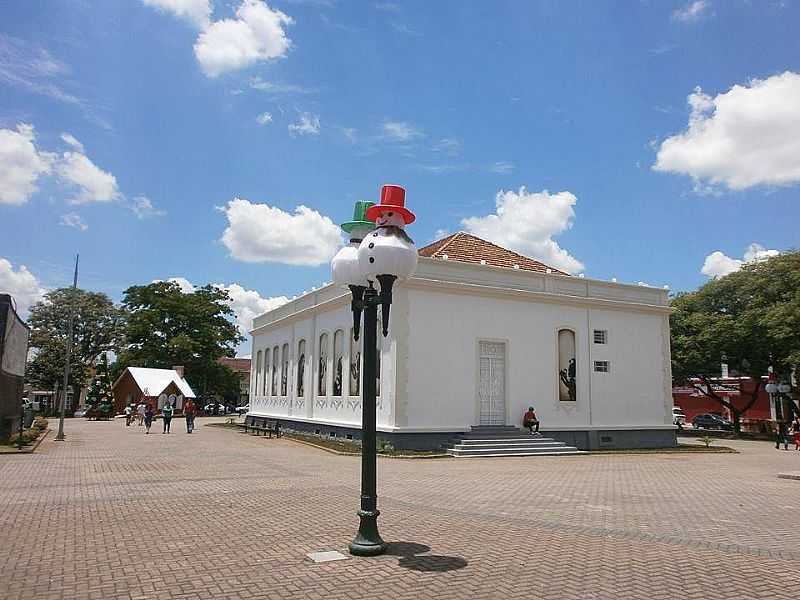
[{"x": 393, "y": 199}]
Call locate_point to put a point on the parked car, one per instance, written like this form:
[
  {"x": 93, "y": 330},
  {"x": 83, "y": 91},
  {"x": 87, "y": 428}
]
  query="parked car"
[
  {"x": 81, "y": 412},
  {"x": 678, "y": 417},
  {"x": 243, "y": 410},
  {"x": 709, "y": 421},
  {"x": 221, "y": 409}
]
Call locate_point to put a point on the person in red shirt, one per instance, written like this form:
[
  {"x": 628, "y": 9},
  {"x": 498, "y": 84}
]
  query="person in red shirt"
[
  {"x": 190, "y": 411},
  {"x": 531, "y": 421}
]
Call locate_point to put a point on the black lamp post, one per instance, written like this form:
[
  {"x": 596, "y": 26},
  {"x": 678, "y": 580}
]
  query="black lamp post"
[{"x": 381, "y": 255}]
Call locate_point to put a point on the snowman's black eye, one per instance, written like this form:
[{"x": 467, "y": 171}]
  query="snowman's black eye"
[{"x": 389, "y": 214}]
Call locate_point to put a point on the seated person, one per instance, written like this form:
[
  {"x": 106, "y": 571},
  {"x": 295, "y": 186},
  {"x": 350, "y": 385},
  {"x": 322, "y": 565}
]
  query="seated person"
[{"x": 530, "y": 421}]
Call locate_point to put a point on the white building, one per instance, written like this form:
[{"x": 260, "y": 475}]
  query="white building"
[{"x": 476, "y": 336}]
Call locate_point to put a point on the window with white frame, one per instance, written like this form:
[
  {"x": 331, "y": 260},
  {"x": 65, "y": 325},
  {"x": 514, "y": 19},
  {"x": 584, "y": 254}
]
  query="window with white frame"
[
  {"x": 258, "y": 371},
  {"x": 602, "y": 366},
  {"x": 275, "y": 367},
  {"x": 284, "y": 369},
  {"x": 322, "y": 367},
  {"x": 301, "y": 368},
  {"x": 600, "y": 336},
  {"x": 338, "y": 366},
  {"x": 265, "y": 376}
]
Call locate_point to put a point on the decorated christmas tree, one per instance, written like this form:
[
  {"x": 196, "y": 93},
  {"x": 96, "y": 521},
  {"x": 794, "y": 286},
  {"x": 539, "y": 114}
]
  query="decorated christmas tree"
[{"x": 99, "y": 396}]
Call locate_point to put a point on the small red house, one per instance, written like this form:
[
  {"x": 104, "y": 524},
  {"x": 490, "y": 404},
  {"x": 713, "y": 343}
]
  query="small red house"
[{"x": 156, "y": 386}]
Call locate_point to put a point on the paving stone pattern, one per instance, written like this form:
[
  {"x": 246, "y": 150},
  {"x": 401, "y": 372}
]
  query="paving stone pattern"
[{"x": 112, "y": 513}]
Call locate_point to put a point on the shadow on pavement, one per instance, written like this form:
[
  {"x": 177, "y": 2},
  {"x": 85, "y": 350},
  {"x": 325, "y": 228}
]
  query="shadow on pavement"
[{"x": 413, "y": 557}]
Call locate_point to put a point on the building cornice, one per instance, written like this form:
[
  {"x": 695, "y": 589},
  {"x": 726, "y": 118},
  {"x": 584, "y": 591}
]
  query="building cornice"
[{"x": 486, "y": 280}]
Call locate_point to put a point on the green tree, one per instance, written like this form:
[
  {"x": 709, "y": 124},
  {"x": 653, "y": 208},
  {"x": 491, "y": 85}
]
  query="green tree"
[
  {"x": 99, "y": 327},
  {"x": 750, "y": 317},
  {"x": 166, "y": 327},
  {"x": 99, "y": 397}
]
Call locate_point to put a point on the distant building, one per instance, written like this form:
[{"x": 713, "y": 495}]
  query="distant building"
[
  {"x": 240, "y": 366},
  {"x": 13, "y": 353},
  {"x": 737, "y": 391},
  {"x": 156, "y": 386},
  {"x": 477, "y": 335}
]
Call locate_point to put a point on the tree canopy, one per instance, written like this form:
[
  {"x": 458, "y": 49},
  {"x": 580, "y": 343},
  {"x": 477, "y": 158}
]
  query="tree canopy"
[
  {"x": 749, "y": 319},
  {"x": 167, "y": 327},
  {"x": 99, "y": 327}
]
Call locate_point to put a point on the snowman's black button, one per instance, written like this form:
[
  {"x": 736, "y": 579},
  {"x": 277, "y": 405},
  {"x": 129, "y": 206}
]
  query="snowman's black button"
[
  {"x": 371, "y": 245},
  {"x": 372, "y": 259},
  {"x": 374, "y": 235}
]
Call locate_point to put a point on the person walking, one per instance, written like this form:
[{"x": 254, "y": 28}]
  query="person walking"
[
  {"x": 148, "y": 418},
  {"x": 190, "y": 411},
  {"x": 166, "y": 415},
  {"x": 796, "y": 432},
  {"x": 128, "y": 414},
  {"x": 781, "y": 436},
  {"x": 531, "y": 421},
  {"x": 140, "y": 410}
]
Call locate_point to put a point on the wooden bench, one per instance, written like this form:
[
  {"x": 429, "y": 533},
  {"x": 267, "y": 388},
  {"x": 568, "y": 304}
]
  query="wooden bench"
[{"x": 265, "y": 426}]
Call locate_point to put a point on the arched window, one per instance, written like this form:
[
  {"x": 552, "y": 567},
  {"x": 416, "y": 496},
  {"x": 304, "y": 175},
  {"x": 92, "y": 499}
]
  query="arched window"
[
  {"x": 284, "y": 369},
  {"x": 301, "y": 368},
  {"x": 338, "y": 358},
  {"x": 322, "y": 368},
  {"x": 567, "y": 390},
  {"x": 265, "y": 374},
  {"x": 355, "y": 366},
  {"x": 275, "y": 364},
  {"x": 258, "y": 373}
]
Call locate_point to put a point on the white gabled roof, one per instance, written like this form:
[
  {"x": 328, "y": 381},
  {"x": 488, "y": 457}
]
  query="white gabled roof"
[{"x": 156, "y": 381}]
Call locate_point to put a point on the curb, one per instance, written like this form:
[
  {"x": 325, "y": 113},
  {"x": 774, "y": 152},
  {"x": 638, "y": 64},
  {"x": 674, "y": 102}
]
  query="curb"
[{"x": 32, "y": 448}]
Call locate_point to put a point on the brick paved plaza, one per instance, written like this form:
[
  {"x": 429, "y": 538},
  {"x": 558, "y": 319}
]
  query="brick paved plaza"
[{"x": 112, "y": 513}]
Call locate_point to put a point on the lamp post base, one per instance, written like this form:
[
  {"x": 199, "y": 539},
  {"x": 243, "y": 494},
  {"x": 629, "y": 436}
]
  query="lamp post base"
[{"x": 368, "y": 541}]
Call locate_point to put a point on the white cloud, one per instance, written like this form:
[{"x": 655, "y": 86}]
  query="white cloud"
[
  {"x": 248, "y": 304},
  {"x": 450, "y": 146},
  {"x": 718, "y": 264},
  {"x": 32, "y": 68},
  {"x": 747, "y": 136},
  {"x": 351, "y": 133},
  {"x": 526, "y": 222},
  {"x": 143, "y": 207},
  {"x": 694, "y": 11},
  {"x": 70, "y": 139},
  {"x": 270, "y": 87},
  {"x": 502, "y": 167},
  {"x": 307, "y": 124},
  {"x": 74, "y": 220},
  {"x": 21, "y": 164},
  {"x": 264, "y": 118},
  {"x": 256, "y": 34},
  {"x": 197, "y": 12},
  {"x": 21, "y": 284},
  {"x": 94, "y": 184},
  {"x": 262, "y": 233},
  {"x": 401, "y": 131}
]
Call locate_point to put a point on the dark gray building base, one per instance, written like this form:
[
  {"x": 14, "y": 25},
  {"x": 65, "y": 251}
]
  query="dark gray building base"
[{"x": 583, "y": 440}]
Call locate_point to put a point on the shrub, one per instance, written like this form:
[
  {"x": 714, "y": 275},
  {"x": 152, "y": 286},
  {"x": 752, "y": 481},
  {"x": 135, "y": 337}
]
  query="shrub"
[
  {"x": 707, "y": 440},
  {"x": 40, "y": 423},
  {"x": 28, "y": 436}
]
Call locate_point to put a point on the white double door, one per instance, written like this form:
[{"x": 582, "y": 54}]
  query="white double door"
[{"x": 492, "y": 383}]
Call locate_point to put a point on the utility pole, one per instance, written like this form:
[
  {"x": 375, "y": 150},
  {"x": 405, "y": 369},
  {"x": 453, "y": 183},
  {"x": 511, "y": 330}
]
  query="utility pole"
[{"x": 70, "y": 332}]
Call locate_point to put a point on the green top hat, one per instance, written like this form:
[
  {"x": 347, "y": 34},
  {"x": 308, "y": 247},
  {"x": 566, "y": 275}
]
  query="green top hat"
[{"x": 359, "y": 216}]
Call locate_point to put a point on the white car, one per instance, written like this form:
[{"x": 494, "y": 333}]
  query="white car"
[
  {"x": 243, "y": 410},
  {"x": 678, "y": 416},
  {"x": 221, "y": 409}
]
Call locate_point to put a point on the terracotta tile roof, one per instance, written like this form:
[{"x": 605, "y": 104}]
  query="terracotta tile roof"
[
  {"x": 465, "y": 247},
  {"x": 240, "y": 365}
]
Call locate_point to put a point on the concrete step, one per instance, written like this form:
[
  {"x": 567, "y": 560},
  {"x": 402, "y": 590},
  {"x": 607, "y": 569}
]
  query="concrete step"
[
  {"x": 516, "y": 451},
  {"x": 529, "y": 441},
  {"x": 500, "y": 438}
]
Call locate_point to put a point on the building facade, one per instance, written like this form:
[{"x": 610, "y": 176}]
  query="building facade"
[
  {"x": 477, "y": 335},
  {"x": 240, "y": 366}
]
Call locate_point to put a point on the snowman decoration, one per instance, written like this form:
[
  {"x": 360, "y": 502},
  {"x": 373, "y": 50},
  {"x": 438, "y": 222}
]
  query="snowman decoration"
[
  {"x": 388, "y": 252},
  {"x": 345, "y": 267}
]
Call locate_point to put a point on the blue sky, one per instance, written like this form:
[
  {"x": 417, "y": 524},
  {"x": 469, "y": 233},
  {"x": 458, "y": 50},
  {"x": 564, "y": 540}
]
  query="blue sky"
[{"x": 129, "y": 128}]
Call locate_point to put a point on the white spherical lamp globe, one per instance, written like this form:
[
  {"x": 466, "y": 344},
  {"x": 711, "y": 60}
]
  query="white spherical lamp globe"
[{"x": 346, "y": 269}]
